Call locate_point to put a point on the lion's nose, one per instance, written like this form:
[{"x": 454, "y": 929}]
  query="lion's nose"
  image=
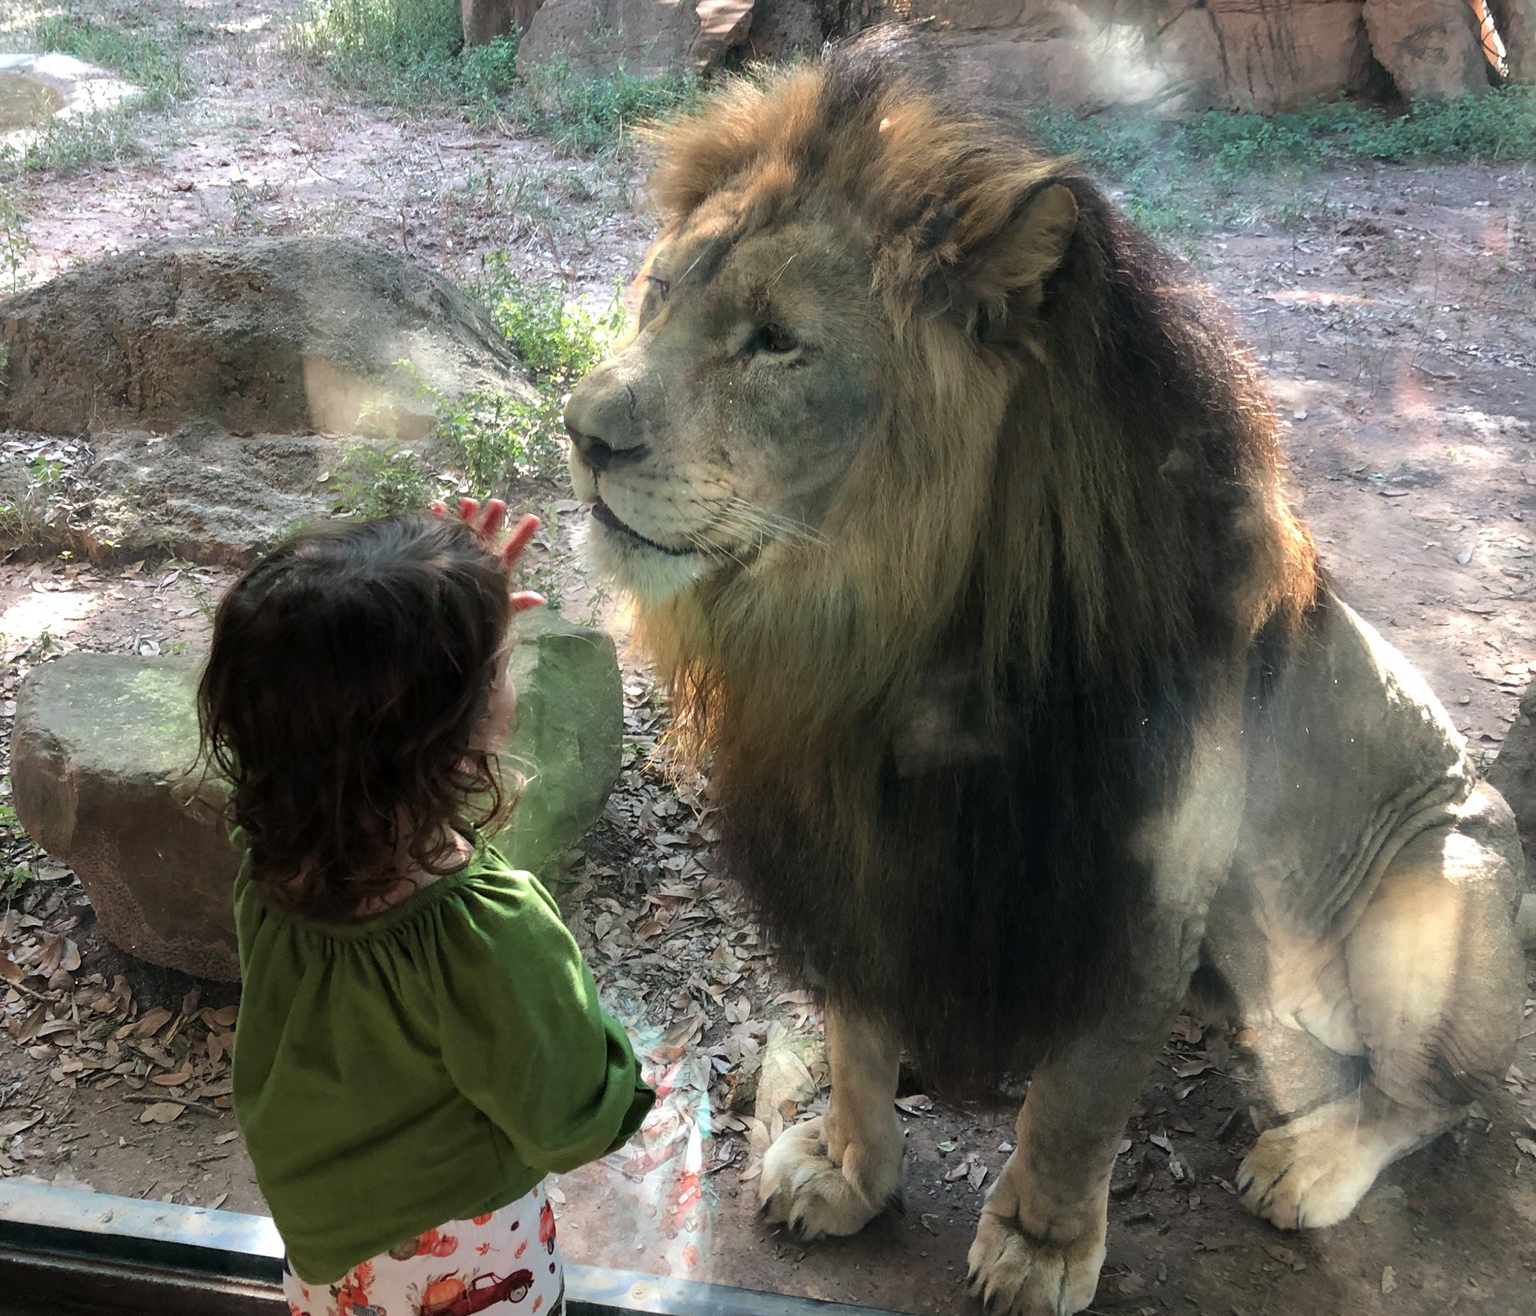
[
  {"x": 601, "y": 428},
  {"x": 600, "y": 455}
]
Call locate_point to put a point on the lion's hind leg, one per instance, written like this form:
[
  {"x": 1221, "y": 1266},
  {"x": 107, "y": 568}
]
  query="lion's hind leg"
[{"x": 1435, "y": 979}]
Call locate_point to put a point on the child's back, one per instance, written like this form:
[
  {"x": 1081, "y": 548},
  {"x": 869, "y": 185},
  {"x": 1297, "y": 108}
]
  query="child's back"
[{"x": 419, "y": 1041}]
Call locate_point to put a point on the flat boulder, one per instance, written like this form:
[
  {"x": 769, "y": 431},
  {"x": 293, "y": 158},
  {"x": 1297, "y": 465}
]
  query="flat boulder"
[
  {"x": 1430, "y": 47},
  {"x": 103, "y": 779},
  {"x": 275, "y": 336}
]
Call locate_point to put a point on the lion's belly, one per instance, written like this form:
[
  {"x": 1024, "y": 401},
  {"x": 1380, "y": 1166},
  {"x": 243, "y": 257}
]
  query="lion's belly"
[{"x": 1349, "y": 759}]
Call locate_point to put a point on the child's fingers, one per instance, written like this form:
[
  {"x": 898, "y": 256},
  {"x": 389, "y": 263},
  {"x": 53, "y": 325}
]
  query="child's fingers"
[
  {"x": 492, "y": 513},
  {"x": 517, "y": 541},
  {"x": 524, "y": 599}
]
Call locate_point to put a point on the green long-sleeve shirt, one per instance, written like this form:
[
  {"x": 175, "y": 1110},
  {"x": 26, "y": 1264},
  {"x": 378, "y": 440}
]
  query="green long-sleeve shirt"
[{"x": 431, "y": 1063}]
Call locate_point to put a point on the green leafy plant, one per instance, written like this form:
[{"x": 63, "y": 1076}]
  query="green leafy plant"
[
  {"x": 15, "y": 248},
  {"x": 374, "y": 481}
]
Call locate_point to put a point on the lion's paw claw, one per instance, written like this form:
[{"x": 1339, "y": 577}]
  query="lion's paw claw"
[
  {"x": 1301, "y": 1176},
  {"x": 805, "y": 1190},
  {"x": 1022, "y": 1276}
]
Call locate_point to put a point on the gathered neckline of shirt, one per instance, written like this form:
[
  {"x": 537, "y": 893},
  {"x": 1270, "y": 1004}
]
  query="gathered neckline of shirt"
[{"x": 402, "y": 912}]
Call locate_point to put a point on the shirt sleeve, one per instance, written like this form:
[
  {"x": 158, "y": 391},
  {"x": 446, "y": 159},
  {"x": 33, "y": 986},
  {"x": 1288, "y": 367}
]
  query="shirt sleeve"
[{"x": 524, "y": 1038}]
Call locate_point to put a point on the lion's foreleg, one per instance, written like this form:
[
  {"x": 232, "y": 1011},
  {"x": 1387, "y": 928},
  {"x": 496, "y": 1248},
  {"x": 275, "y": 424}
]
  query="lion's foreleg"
[
  {"x": 1040, "y": 1242},
  {"x": 836, "y": 1173}
]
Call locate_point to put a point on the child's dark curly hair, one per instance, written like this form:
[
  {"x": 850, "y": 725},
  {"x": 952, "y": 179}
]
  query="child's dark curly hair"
[{"x": 349, "y": 672}]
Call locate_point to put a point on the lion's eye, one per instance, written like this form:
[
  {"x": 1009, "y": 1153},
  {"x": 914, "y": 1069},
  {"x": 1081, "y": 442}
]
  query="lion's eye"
[
  {"x": 659, "y": 286},
  {"x": 773, "y": 339}
]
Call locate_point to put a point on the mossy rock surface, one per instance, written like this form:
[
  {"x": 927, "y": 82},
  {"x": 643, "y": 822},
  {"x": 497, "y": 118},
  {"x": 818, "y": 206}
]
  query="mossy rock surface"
[{"x": 102, "y": 774}]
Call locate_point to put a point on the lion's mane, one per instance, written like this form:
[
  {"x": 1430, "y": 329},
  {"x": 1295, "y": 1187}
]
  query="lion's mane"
[{"x": 933, "y": 731}]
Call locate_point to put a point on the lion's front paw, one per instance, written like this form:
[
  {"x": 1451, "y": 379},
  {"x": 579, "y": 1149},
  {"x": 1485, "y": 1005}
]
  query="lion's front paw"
[
  {"x": 1023, "y": 1276},
  {"x": 804, "y": 1188}
]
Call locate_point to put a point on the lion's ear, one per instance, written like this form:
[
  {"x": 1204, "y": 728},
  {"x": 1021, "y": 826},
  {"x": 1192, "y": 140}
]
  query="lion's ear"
[{"x": 1008, "y": 272}]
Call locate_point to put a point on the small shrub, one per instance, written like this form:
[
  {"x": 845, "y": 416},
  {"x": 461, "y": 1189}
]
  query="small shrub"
[
  {"x": 15, "y": 248},
  {"x": 492, "y": 437},
  {"x": 558, "y": 342},
  {"x": 375, "y": 482}
]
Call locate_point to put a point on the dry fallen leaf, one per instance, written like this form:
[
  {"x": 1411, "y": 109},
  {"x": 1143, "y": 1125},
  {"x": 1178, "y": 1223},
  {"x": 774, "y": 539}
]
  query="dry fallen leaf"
[
  {"x": 1285, "y": 1256},
  {"x": 162, "y": 1112},
  {"x": 152, "y": 1021},
  {"x": 172, "y": 1080},
  {"x": 917, "y": 1104},
  {"x": 18, "y": 1126}
]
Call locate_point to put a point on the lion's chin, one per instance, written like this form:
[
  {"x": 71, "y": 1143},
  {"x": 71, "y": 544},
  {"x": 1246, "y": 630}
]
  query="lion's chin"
[{"x": 650, "y": 575}]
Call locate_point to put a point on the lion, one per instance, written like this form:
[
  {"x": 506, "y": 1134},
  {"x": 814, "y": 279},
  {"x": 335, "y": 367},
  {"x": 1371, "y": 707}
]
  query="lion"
[{"x": 959, "y": 530}]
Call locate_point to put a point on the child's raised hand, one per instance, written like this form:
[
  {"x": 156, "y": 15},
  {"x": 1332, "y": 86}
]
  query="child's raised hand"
[{"x": 486, "y": 520}]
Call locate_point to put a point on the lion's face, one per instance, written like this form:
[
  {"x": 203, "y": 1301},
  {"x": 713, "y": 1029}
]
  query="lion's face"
[{"x": 727, "y": 423}]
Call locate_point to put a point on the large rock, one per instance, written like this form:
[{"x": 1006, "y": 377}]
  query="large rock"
[
  {"x": 485, "y": 20},
  {"x": 1159, "y": 55},
  {"x": 639, "y": 37},
  {"x": 1430, "y": 47},
  {"x": 278, "y": 336},
  {"x": 199, "y": 493},
  {"x": 1513, "y": 772},
  {"x": 1516, "y": 20},
  {"x": 1156, "y": 55},
  {"x": 102, "y": 752}
]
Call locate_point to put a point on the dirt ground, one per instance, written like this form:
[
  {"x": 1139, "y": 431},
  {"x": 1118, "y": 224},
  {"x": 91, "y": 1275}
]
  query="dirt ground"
[{"x": 1396, "y": 321}]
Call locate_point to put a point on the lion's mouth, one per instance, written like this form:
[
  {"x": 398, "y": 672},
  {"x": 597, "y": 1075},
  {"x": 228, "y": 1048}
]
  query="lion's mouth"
[{"x": 601, "y": 512}]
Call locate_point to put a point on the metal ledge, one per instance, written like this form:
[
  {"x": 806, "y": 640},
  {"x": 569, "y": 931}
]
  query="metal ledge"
[{"x": 64, "y": 1252}]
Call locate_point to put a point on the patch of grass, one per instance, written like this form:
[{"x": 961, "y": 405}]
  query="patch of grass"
[
  {"x": 25, "y": 519},
  {"x": 1500, "y": 125},
  {"x": 66, "y": 145},
  {"x": 407, "y": 53},
  {"x": 411, "y": 54},
  {"x": 587, "y": 115},
  {"x": 151, "y": 63},
  {"x": 1164, "y": 171},
  {"x": 1236, "y": 146},
  {"x": 141, "y": 58}
]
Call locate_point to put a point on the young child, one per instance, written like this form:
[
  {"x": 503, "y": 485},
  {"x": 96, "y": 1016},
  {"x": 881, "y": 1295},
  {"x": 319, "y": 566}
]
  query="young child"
[{"x": 419, "y": 1042}]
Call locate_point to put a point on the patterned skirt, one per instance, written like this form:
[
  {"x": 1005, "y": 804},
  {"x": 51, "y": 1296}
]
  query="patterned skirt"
[{"x": 505, "y": 1263}]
